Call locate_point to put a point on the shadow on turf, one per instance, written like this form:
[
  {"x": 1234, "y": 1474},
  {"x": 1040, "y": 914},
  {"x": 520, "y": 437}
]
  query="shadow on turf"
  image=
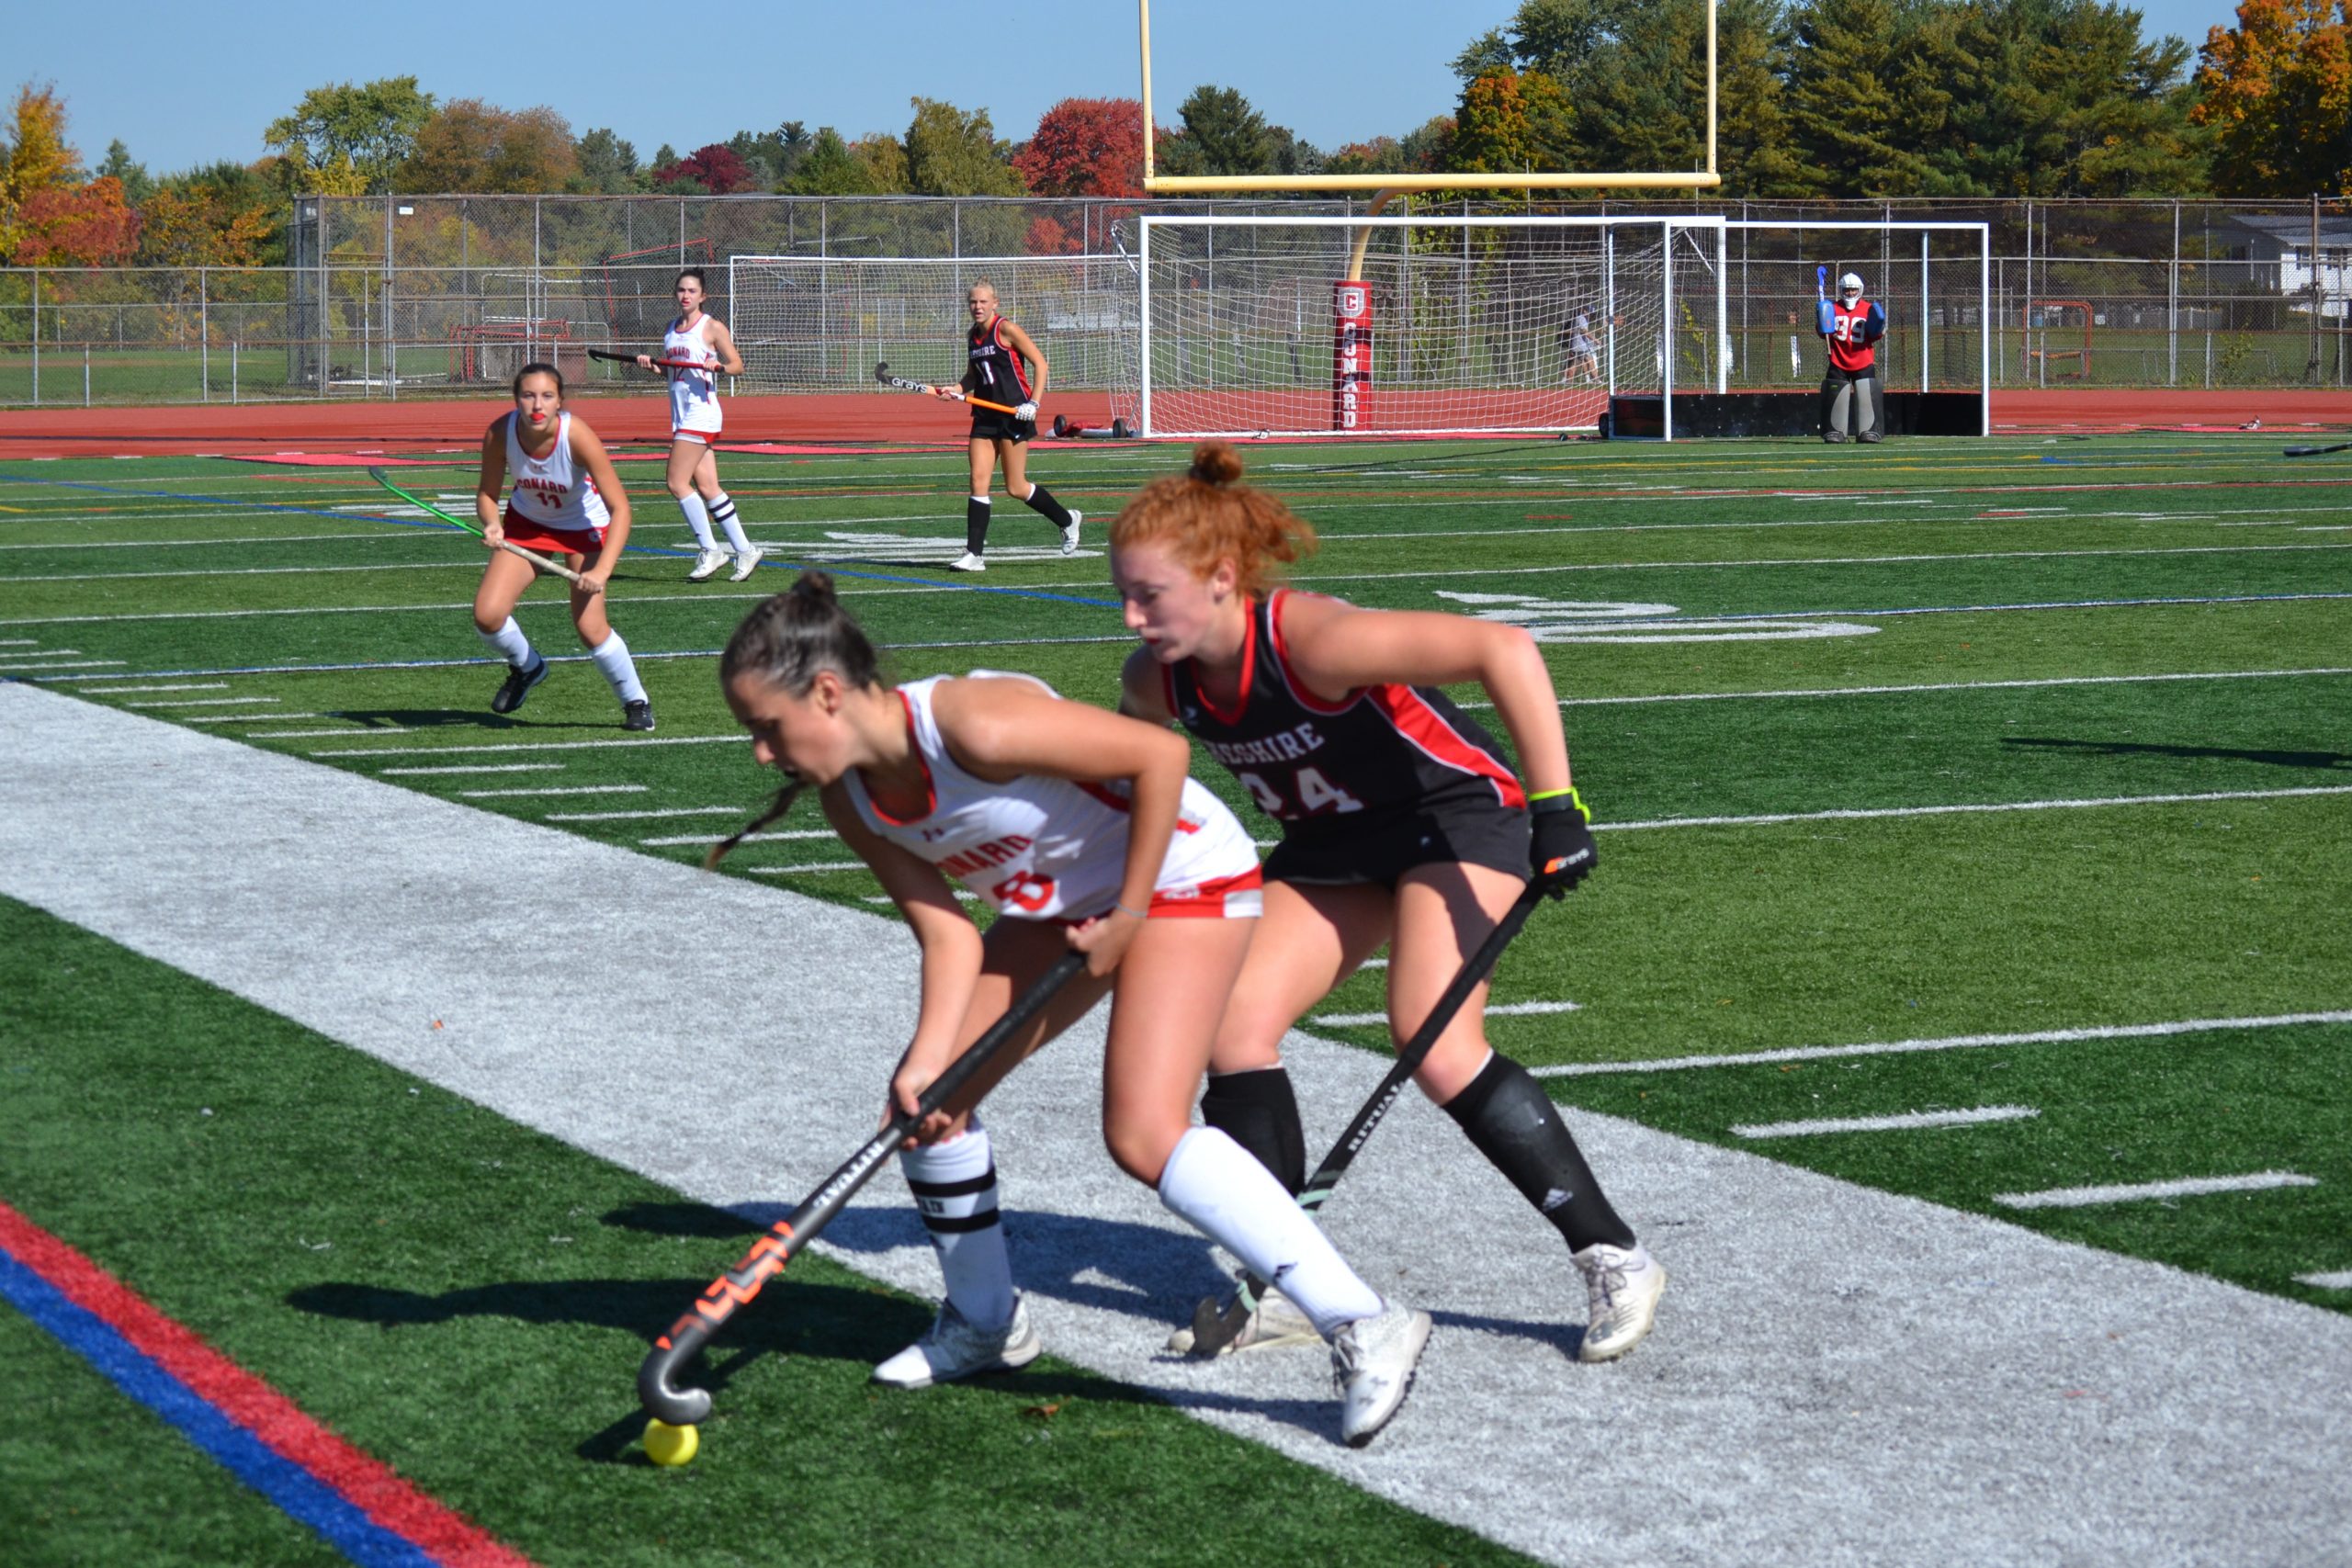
[
  {"x": 441, "y": 719},
  {"x": 2321, "y": 760}
]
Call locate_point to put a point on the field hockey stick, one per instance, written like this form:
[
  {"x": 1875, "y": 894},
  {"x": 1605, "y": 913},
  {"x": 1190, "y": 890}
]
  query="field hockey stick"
[
  {"x": 2315, "y": 451},
  {"x": 1213, "y": 1328},
  {"x": 536, "y": 558},
  {"x": 900, "y": 383},
  {"x": 1822, "y": 320},
  {"x": 656, "y": 1386},
  {"x": 620, "y": 359}
]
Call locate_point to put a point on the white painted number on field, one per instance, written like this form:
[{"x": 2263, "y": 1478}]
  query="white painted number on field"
[{"x": 1588, "y": 620}]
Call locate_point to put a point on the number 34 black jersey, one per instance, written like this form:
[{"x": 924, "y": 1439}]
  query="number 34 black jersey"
[{"x": 1381, "y": 750}]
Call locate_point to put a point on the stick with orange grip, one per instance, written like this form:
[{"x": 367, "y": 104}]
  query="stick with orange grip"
[{"x": 657, "y": 1385}]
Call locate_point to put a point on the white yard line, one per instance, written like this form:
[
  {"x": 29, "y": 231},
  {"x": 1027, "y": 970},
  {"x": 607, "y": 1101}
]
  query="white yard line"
[
  {"x": 535, "y": 746},
  {"x": 648, "y": 812},
  {"x": 1925, "y": 1420},
  {"x": 1916, "y": 1119},
  {"x": 555, "y": 789},
  {"x": 183, "y": 686},
  {"x": 1786, "y": 691},
  {"x": 484, "y": 768},
  {"x": 459, "y": 565},
  {"x": 1947, "y": 1042},
  {"x": 373, "y": 536},
  {"x": 2341, "y": 1280},
  {"x": 1866, "y": 814},
  {"x": 324, "y": 734},
  {"x": 808, "y": 870},
  {"x": 2145, "y": 1192},
  {"x": 68, "y": 664},
  {"x": 1502, "y": 1010},
  {"x": 272, "y": 717},
  {"x": 205, "y": 703}
]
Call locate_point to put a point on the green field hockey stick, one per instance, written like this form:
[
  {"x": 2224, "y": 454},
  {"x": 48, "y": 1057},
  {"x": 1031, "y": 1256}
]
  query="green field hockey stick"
[
  {"x": 537, "y": 560},
  {"x": 657, "y": 1385}
]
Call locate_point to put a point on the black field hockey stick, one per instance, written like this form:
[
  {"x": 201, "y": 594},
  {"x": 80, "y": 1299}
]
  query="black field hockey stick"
[
  {"x": 2315, "y": 451},
  {"x": 657, "y": 1385},
  {"x": 901, "y": 384},
  {"x": 537, "y": 560},
  {"x": 1215, "y": 1327},
  {"x": 618, "y": 357}
]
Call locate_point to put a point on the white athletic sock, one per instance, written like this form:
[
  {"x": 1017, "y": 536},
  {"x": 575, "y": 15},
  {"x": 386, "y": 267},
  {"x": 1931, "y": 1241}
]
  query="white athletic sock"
[
  {"x": 691, "y": 504},
  {"x": 722, "y": 512},
  {"x": 954, "y": 1187},
  {"x": 612, "y": 657},
  {"x": 509, "y": 643},
  {"x": 1213, "y": 1183}
]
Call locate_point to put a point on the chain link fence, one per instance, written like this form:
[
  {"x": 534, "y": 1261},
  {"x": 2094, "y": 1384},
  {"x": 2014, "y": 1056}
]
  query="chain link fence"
[{"x": 392, "y": 297}]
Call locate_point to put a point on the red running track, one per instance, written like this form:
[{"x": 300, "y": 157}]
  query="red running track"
[{"x": 264, "y": 429}]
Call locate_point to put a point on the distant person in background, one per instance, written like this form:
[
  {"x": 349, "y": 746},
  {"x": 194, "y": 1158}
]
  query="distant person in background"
[
  {"x": 1584, "y": 353},
  {"x": 699, "y": 338},
  {"x": 1002, "y": 364},
  {"x": 567, "y": 501},
  {"x": 1852, "y": 326}
]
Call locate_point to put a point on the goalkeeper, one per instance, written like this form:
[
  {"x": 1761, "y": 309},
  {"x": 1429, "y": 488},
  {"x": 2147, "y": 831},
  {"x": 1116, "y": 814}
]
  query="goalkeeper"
[{"x": 1852, "y": 326}]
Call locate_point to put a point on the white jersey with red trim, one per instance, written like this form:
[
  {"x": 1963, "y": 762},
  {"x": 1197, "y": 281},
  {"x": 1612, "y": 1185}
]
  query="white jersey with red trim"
[
  {"x": 694, "y": 394},
  {"x": 554, "y": 491},
  {"x": 1041, "y": 848}
]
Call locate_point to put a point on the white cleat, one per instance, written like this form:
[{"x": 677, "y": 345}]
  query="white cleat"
[
  {"x": 967, "y": 561},
  {"x": 1625, "y": 1285},
  {"x": 745, "y": 559},
  {"x": 1069, "y": 535},
  {"x": 1372, "y": 1366},
  {"x": 706, "y": 563},
  {"x": 1226, "y": 1328},
  {"x": 956, "y": 1349}
]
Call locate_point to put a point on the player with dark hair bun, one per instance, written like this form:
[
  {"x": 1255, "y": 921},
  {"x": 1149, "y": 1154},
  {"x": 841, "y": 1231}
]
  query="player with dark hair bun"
[
  {"x": 1003, "y": 366},
  {"x": 1401, "y": 824},
  {"x": 1081, "y": 830},
  {"x": 568, "y": 501}
]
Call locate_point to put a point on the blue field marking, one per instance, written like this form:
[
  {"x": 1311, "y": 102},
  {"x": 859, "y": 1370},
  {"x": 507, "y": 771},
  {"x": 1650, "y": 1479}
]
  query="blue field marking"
[
  {"x": 302, "y": 1495},
  {"x": 657, "y": 551}
]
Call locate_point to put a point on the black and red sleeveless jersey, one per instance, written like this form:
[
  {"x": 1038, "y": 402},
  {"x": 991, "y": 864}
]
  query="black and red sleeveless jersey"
[
  {"x": 1382, "y": 751},
  {"x": 996, "y": 372}
]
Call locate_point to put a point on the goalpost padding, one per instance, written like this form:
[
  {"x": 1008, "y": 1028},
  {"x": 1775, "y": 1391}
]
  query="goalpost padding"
[{"x": 1456, "y": 326}]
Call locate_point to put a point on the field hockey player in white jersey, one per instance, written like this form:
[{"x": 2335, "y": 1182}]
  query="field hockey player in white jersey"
[
  {"x": 568, "y": 501},
  {"x": 700, "y": 339},
  {"x": 1082, "y": 832},
  {"x": 1402, "y": 823}
]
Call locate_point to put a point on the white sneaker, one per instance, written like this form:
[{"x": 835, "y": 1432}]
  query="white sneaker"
[
  {"x": 956, "y": 1349},
  {"x": 706, "y": 563},
  {"x": 1069, "y": 535},
  {"x": 1227, "y": 1327},
  {"x": 967, "y": 561},
  {"x": 1372, "y": 1366},
  {"x": 1625, "y": 1285},
  {"x": 745, "y": 559}
]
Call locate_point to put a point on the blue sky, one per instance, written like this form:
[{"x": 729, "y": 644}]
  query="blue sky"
[{"x": 181, "y": 91}]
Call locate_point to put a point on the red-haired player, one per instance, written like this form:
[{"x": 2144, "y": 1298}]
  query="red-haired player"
[
  {"x": 1401, "y": 824},
  {"x": 568, "y": 502}
]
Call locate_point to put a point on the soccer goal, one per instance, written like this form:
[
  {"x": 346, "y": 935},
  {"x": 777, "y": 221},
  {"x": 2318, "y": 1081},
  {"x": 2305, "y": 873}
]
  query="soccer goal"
[
  {"x": 821, "y": 324},
  {"x": 1419, "y": 325}
]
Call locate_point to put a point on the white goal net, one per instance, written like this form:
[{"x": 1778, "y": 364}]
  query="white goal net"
[
  {"x": 820, "y": 324},
  {"x": 1469, "y": 324}
]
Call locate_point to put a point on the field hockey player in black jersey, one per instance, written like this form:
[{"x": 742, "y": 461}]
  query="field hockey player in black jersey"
[{"x": 1401, "y": 824}]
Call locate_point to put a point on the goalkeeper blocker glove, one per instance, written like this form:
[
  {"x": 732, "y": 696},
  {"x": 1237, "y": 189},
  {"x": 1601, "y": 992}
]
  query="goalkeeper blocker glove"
[{"x": 1563, "y": 851}]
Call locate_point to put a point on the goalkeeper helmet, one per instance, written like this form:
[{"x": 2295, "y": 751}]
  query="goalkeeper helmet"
[{"x": 1850, "y": 285}]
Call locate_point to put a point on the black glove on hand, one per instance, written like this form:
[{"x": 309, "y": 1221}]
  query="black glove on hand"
[{"x": 1563, "y": 853}]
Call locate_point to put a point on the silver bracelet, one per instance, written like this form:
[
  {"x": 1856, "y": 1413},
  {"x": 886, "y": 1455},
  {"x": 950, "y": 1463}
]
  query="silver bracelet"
[{"x": 1138, "y": 914}]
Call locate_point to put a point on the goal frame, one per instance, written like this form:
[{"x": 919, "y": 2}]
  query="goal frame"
[{"x": 1668, "y": 224}]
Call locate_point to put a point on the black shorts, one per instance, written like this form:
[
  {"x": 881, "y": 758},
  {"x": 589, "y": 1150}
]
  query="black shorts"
[
  {"x": 1337, "y": 852},
  {"x": 989, "y": 426}
]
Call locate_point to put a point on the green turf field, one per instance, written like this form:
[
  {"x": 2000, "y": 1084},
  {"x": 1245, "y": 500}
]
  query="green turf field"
[{"x": 2033, "y": 754}]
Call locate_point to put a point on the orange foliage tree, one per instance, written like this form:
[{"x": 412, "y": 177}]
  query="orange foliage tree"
[
  {"x": 1085, "y": 147},
  {"x": 2276, "y": 93},
  {"x": 89, "y": 225}
]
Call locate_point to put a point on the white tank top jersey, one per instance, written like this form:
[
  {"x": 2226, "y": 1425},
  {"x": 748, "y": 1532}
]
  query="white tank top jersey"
[
  {"x": 554, "y": 491},
  {"x": 1043, "y": 848},
  {"x": 694, "y": 394}
]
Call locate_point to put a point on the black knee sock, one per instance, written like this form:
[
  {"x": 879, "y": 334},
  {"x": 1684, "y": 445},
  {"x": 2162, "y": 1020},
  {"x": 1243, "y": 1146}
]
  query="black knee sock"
[
  {"x": 1516, "y": 1126},
  {"x": 1042, "y": 500},
  {"x": 976, "y": 523},
  {"x": 1257, "y": 1110}
]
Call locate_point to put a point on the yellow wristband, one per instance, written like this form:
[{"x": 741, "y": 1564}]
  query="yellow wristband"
[{"x": 1575, "y": 802}]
